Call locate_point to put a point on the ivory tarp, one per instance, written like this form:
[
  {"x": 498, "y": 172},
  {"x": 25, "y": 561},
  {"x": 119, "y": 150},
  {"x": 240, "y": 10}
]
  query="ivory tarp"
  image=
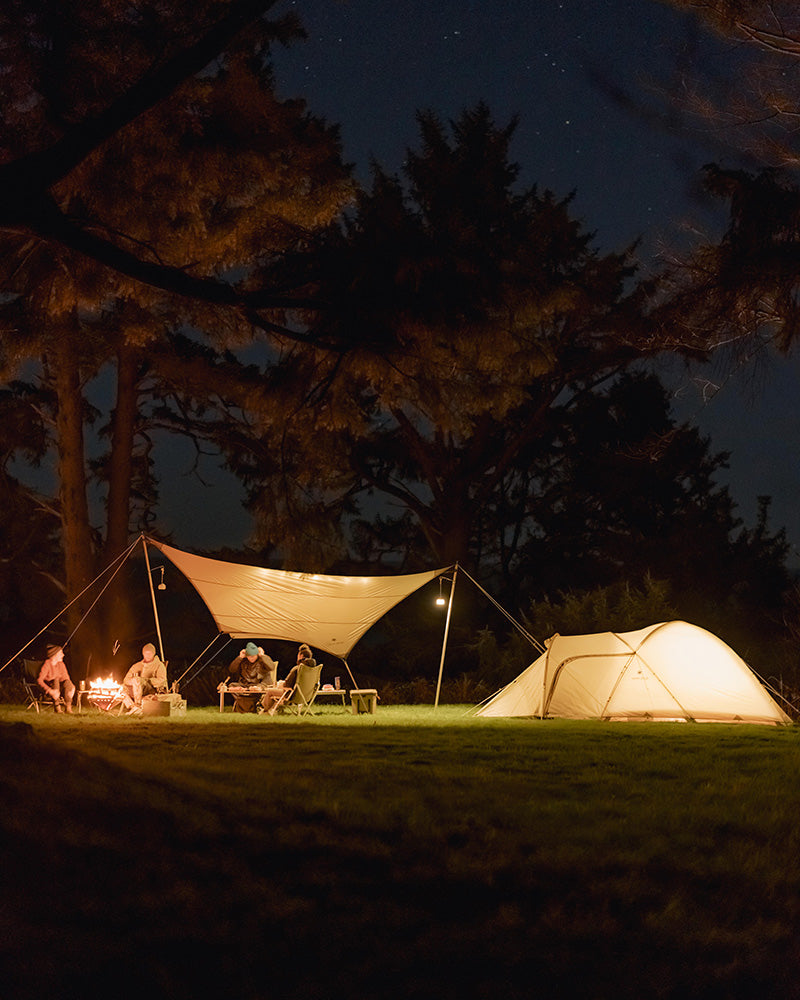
[{"x": 330, "y": 613}]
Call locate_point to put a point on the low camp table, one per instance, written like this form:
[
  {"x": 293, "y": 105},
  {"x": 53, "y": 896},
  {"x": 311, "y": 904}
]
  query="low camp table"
[
  {"x": 238, "y": 690},
  {"x": 333, "y": 692},
  {"x": 83, "y": 696}
]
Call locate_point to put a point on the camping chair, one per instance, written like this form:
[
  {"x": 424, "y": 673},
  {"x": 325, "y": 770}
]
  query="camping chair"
[
  {"x": 305, "y": 689},
  {"x": 300, "y": 698},
  {"x": 34, "y": 695}
]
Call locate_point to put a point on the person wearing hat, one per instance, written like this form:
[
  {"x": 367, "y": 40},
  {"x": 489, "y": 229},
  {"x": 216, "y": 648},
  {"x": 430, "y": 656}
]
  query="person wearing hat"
[
  {"x": 148, "y": 676},
  {"x": 55, "y": 680},
  {"x": 252, "y": 668}
]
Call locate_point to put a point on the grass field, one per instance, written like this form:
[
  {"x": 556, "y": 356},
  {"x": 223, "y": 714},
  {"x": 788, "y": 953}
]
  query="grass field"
[{"x": 416, "y": 852}]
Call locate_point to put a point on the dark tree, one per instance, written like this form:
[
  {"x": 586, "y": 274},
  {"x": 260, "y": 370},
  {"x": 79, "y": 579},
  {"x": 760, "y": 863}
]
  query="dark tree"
[
  {"x": 143, "y": 187},
  {"x": 629, "y": 494},
  {"x": 80, "y": 79},
  {"x": 31, "y": 564},
  {"x": 477, "y": 305},
  {"x": 742, "y": 289}
]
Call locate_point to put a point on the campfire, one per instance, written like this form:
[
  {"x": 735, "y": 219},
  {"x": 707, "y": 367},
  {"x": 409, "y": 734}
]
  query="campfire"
[{"x": 104, "y": 691}]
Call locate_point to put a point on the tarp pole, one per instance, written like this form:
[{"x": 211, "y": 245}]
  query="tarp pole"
[
  {"x": 153, "y": 598},
  {"x": 444, "y": 639},
  {"x": 349, "y": 671}
]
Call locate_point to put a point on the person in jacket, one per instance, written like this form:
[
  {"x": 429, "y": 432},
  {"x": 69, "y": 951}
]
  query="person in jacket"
[
  {"x": 252, "y": 668},
  {"x": 55, "y": 680},
  {"x": 147, "y": 676}
]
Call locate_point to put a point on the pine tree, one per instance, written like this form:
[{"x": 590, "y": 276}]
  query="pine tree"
[
  {"x": 474, "y": 305},
  {"x": 201, "y": 177}
]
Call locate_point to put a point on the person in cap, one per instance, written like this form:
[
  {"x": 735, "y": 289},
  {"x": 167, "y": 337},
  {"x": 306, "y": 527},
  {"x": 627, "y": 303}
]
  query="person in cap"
[
  {"x": 148, "y": 676},
  {"x": 252, "y": 668},
  {"x": 55, "y": 680}
]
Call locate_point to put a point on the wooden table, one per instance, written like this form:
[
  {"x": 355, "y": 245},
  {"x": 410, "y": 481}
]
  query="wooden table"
[
  {"x": 240, "y": 690},
  {"x": 333, "y": 693}
]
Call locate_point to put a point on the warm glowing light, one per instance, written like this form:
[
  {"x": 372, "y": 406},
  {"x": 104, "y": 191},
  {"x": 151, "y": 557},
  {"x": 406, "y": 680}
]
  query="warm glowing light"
[
  {"x": 440, "y": 600},
  {"x": 105, "y": 685}
]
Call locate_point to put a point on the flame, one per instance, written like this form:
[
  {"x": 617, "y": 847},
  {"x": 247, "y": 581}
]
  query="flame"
[{"x": 105, "y": 684}]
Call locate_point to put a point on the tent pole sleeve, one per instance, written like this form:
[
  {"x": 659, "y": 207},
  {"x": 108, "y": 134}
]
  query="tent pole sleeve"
[
  {"x": 444, "y": 638},
  {"x": 153, "y": 598}
]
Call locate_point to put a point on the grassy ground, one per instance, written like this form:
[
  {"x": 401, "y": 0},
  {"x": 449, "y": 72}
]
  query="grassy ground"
[{"x": 415, "y": 852}]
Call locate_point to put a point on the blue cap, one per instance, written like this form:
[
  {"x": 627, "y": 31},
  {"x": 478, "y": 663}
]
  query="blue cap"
[{"x": 251, "y": 649}]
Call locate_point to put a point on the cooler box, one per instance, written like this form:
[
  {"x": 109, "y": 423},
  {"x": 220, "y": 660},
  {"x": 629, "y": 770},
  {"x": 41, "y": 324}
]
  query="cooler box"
[
  {"x": 363, "y": 700},
  {"x": 164, "y": 704}
]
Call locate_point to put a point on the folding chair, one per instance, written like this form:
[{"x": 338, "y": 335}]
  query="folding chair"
[
  {"x": 300, "y": 698},
  {"x": 35, "y": 696}
]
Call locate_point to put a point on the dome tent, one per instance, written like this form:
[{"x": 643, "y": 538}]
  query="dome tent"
[{"x": 672, "y": 671}]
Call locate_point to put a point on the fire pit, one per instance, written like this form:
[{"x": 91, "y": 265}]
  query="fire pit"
[{"x": 102, "y": 693}]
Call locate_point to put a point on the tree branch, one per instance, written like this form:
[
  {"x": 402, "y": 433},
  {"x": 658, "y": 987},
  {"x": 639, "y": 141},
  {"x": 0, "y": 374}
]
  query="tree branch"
[
  {"x": 27, "y": 205},
  {"x": 37, "y": 172},
  {"x": 51, "y": 224}
]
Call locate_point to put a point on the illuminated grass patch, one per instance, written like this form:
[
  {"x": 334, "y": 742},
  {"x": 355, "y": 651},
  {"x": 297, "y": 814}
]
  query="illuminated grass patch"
[{"x": 431, "y": 853}]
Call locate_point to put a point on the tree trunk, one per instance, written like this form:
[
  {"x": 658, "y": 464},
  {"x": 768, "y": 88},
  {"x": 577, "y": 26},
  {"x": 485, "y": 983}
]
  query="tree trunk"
[
  {"x": 116, "y": 624},
  {"x": 448, "y": 528},
  {"x": 76, "y": 530},
  {"x": 120, "y": 469}
]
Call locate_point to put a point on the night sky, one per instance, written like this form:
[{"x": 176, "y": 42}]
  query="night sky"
[{"x": 369, "y": 66}]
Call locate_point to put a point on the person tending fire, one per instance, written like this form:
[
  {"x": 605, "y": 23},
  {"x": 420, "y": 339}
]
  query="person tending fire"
[{"x": 148, "y": 676}]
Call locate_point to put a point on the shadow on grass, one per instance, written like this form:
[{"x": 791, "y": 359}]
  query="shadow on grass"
[{"x": 419, "y": 853}]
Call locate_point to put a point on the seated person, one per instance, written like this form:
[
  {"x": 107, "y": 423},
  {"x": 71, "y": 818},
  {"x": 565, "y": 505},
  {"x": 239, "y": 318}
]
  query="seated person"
[
  {"x": 54, "y": 679},
  {"x": 304, "y": 659},
  {"x": 252, "y": 668},
  {"x": 148, "y": 676}
]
